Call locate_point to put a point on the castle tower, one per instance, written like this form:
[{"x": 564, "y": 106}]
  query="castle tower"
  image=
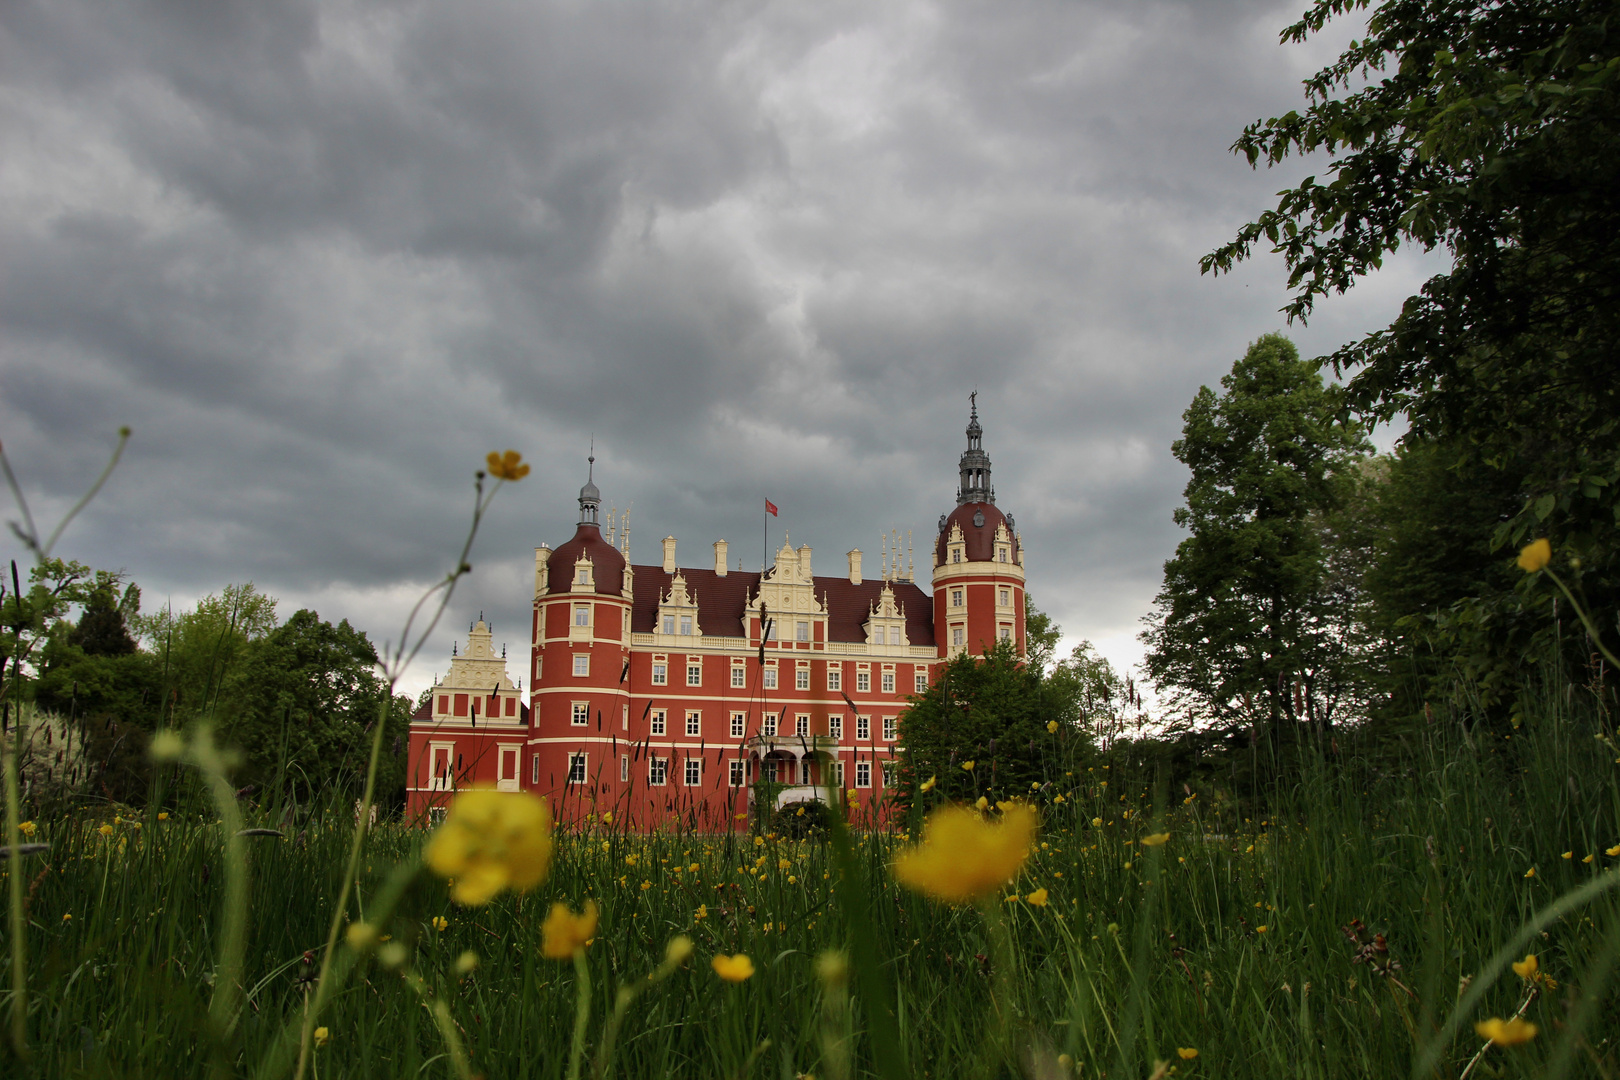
[
  {"x": 580, "y": 698},
  {"x": 978, "y": 562}
]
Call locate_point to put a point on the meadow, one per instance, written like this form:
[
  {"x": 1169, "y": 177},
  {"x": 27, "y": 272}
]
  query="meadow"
[{"x": 1368, "y": 916}]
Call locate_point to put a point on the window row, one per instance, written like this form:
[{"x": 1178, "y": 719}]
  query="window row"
[
  {"x": 770, "y": 677},
  {"x": 737, "y": 771}
]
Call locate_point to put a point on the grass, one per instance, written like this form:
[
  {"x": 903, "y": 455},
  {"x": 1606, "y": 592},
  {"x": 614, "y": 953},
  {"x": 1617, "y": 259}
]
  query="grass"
[{"x": 1228, "y": 939}]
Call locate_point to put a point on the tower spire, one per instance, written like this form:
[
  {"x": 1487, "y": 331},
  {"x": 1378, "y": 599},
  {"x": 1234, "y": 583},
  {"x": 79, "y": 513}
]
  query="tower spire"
[
  {"x": 975, "y": 483},
  {"x": 590, "y": 498}
]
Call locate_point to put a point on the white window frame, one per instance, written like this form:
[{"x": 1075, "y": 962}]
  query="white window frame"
[
  {"x": 801, "y": 631},
  {"x": 835, "y": 678},
  {"x": 658, "y": 771},
  {"x": 582, "y": 614},
  {"x": 888, "y": 682},
  {"x": 863, "y": 682},
  {"x": 887, "y": 773},
  {"x": 956, "y": 597},
  {"x": 770, "y": 678},
  {"x": 770, "y": 725},
  {"x": 694, "y": 673},
  {"x": 669, "y": 624},
  {"x": 835, "y": 727},
  {"x": 737, "y": 773},
  {"x": 660, "y": 673},
  {"x": 582, "y": 665},
  {"x": 958, "y": 637},
  {"x": 694, "y": 723},
  {"x": 624, "y": 768},
  {"x": 659, "y": 721},
  {"x": 1006, "y": 598},
  {"x": 739, "y": 677},
  {"x": 863, "y": 729},
  {"x": 534, "y": 769},
  {"x": 1005, "y": 632},
  {"x": 580, "y": 714},
  {"x": 578, "y": 767},
  {"x": 686, "y": 625},
  {"x": 889, "y": 727},
  {"x": 693, "y": 772},
  {"x": 739, "y": 725},
  {"x": 863, "y": 774},
  {"x": 801, "y": 679},
  {"x": 801, "y": 725},
  {"x": 922, "y": 682}
]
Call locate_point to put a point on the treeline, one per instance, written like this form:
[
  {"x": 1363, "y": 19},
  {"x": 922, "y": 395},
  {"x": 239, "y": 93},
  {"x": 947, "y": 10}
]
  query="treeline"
[{"x": 92, "y": 677}]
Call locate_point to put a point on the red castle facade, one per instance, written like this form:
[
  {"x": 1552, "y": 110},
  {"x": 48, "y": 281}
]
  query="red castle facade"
[{"x": 660, "y": 693}]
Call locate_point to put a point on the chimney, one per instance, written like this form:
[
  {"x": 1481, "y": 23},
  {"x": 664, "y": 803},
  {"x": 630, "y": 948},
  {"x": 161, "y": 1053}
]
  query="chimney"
[
  {"x": 804, "y": 562},
  {"x": 669, "y": 554},
  {"x": 855, "y": 567},
  {"x": 542, "y": 557},
  {"x": 719, "y": 558}
]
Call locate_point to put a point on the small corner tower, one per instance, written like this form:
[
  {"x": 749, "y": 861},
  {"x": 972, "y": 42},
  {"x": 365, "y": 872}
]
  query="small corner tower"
[{"x": 978, "y": 561}]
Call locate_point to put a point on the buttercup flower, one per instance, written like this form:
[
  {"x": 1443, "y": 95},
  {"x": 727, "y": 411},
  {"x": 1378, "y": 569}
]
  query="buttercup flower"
[
  {"x": 322, "y": 1036},
  {"x": 964, "y": 857},
  {"x": 565, "y": 933},
  {"x": 1096, "y": 823},
  {"x": 928, "y": 784},
  {"x": 1052, "y": 726},
  {"x": 1038, "y": 898},
  {"x": 105, "y": 830},
  {"x": 1155, "y": 839},
  {"x": 968, "y": 765},
  {"x": 733, "y": 968},
  {"x": 1611, "y": 852},
  {"x": 163, "y": 815},
  {"x": 507, "y": 466},
  {"x": 1506, "y": 1032},
  {"x": 1186, "y": 1053},
  {"x": 440, "y": 923},
  {"x": 982, "y": 804},
  {"x": 1530, "y": 872},
  {"x": 1534, "y": 556},
  {"x": 1526, "y": 968},
  {"x": 491, "y": 840}
]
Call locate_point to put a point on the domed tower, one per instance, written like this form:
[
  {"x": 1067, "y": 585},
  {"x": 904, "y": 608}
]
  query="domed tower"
[
  {"x": 978, "y": 562},
  {"x": 579, "y": 698}
]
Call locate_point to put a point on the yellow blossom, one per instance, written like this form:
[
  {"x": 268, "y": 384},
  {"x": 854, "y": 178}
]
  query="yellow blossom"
[
  {"x": 928, "y": 785},
  {"x": 1052, "y": 726},
  {"x": 163, "y": 815},
  {"x": 1530, "y": 872},
  {"x": 360, "y": 935},
  {"x": 1611, "y": 852},
  {"x": 1038, "y": 898},
  {"x": 693, "y": 868},
  {"x": 1569, "y": 854},
  {"x": 105, "y": 830},
  {"x": 702, "y": 912},
  {"x": 440, "y": 923},
  {"x": 1096, "y": 823},
  {"x": 607, "y": 818},
  {"x": 1506, "y": 1032},
  {"x": 1186, "y": 1053},
  {"x": 963, "y": 857},
  {"x": 323, "y": 1035},
  {"x": 67, "y": 917},
  {"x": 28, "y": 828},
  {"x": 733, "y": 968},
  {"x": 1534, "y": 556},
  {"x": 1155, "y": 839},
  {"x": 507, "y": 466},
  {"x": 968, "y": 765},
  {"x": 563, "y": 934},
  {"x": 1526, "y": 968},
  {"x": 982, "y": 804},
  {"x": 1261, "y": 929},
  {"x": 491, "y": 840}
]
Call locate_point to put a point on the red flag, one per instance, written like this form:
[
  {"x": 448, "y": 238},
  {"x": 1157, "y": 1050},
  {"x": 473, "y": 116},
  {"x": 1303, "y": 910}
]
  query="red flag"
[{"x": 770, "y": 508}]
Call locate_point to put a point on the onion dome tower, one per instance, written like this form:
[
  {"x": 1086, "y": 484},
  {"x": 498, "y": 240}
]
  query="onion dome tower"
[
  {"x": 581, "y": 645},
  {"x": 978, "y": 561}
]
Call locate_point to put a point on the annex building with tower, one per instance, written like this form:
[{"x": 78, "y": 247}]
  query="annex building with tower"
[{"x": 660, "y": 692}]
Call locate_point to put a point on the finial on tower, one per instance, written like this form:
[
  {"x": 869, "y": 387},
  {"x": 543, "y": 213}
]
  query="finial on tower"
[
  {"x": 975, "y": 464},
  {"x": 590, "y": 497}
]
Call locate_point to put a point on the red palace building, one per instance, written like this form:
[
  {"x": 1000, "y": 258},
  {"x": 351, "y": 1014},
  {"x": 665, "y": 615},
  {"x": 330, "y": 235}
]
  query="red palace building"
[{"x": 662, "y": 693}]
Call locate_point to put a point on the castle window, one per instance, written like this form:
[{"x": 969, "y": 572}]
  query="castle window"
[
  {"x": 1001, "y": 554},
  {"x": 801, "y": 725},
  {"x": 694, "y": 724},
  {"x": 770, "y": 678},
  {"x": 863, "y": 774},
  {"x": 863, "y": 729},
  {"x": 657, "y": 771},
  {"x": 694, "y": 674},
  {"x": 581, "y": 714},
  {"x": 877, "y": 635},
  {"x": 956, "y": 598},
  {"x": 737, "y": 772},
  {"x": 739, "y": 676},
  {"x": 582, "y": 664},
  {"x": 956, "y": 635},
  {"x": 686, "y": 624},
  {"x": 576, "y": 768},
  {"x": 534, "y": 769},
  {"x": 956, "y": 555},
  {"x": 624, "y": 768},
  {"x": 835, "y": 726},
  {"x": 863, "y": 682},
  {"x": 922, "y": 682},
  {"x": 660, "y": 674},
  {"x": 835, "y": 678},
  {"x": 738, "y": 724},
  {"x": 888, "y": 729},
  {"x": 658, "y": 721},
  {"x": 694, "y": 771},
  {"x": 1006, "y": 598},
  {"x": 769, "y": 724},
  {"x": 669, "y": 624},
  {"x": 888, "y": 773},
  {"x": 801, "y": 679},
  {"x": 583, "y": 576},
  {"x": 888, "y": 682},
  {"x": 1006, "y": 633},
  {"x": 582, "y": 615},
  {"x": 802, "y": 631}
]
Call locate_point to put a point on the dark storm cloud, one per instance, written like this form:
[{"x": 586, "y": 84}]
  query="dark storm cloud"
[{"x": 323, "y": 256}]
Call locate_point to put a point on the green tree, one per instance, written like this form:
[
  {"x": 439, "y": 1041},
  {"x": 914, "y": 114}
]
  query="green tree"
[
  {"x": 1248, "y": 624},
  {"x": 1491, "y": 131},
  {"x": 200, "y": 650},
  {"x": 1041, "y": 636},
  {"x": 990, "y": 710},
  {"x": 1086, "y": 692}
]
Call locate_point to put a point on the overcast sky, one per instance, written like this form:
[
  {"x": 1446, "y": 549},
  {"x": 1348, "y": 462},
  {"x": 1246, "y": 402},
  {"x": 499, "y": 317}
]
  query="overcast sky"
[{"x": 322, "y": 257}]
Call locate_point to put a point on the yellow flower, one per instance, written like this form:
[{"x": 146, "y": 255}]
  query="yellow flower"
[
  {"x": 67, "y": 917},
  {"x": 1096, "y": 823},
  {"x": 1155, "y": 839},
  {"x": 1057, "y": 799},
  {"x": 733, "y": 968},
  {"x": 1526, "y": 968},
  {"x": 982, "y": 804},
  {"x": 491, "y": 840},
  {"x": 1611, "y": 852},
  {"x": 1506, "y": 1032},
  {"x": 1052, "y": 726},
  {"x": 28, "y": 828},
  {"x": 1186, "y": 1053},
  {"x": 928, "y": 785},
  {"x": 360, "y": 935},
  {"x": 1535, "y": 556},
  {"x": 440, "y": 923},
  {"x": 693, "y": 868},
  {"x": 607, "y": 818},
  {"x": 507, "y": 466},
  {"x": 1530, "y": 872},
  {"x": 702, "y": 912},
  {"x": 322, "y": 1036},
  {"x": 105, "y": 830},
  {"x": 1569, "y": 854},
  {"x": 968, "y": 765},
  {"x": 1038, "y": 898},
  {"x": 163, "y": 815},
  {"x": 1261, "y": 929},
  {"x": 564, "y": 933},
  {"x": 964, "y": 857}
]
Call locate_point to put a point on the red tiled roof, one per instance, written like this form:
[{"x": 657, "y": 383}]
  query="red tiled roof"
[
  {"x": 608, "y": 564},
  {"x": 721, "y": 602},
  {"x": 978, "y": 540}
]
